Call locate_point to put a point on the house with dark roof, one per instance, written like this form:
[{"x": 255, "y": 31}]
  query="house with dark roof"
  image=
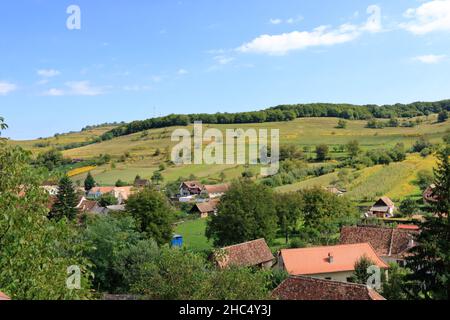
[
  {"x": 390, "y": 244},
  {"x": 254, "y": 253},
  {"x": 383, "y": 208},
  {"x": 428, "y": 194},
  {"x": 329, "y": 262},
  {"x": 89, "y": 206},
  {"x": 141, "y": 183},
  {"x": 205, "y": 209},
  {"x": 306, "y": 288},
  {"x": 190, "y": 188}
]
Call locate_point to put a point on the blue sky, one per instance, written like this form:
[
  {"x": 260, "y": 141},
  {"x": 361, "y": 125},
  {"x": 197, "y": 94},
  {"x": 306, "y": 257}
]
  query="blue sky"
[{"x": 137, "y": 59}]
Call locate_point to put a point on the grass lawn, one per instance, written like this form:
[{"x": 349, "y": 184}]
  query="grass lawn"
[{"x": 193, "y": 233}]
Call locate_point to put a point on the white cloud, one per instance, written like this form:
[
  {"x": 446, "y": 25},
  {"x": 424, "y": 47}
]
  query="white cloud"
[
  {"x": 276, "y": 21},
  {"x": 430, "y": 58},
  {"x": 182, "y": 72},
  {"x": 6, "y": 88},
  {"x": 137, "y": 88},
  {"x": 53, "y": 92},
  {"x": 429, "y": 17},
  {"x": 223, "y": 60},
  {"x": 321, "y": 36},
  {"x": 83, "y": 88},
  {"x": 75, "y": 88},
  {"x": 48, "y": 73}
]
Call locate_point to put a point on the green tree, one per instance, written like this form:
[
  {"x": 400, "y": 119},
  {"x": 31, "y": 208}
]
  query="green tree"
[
  {"x": 322, "y": 152},
  {"x": 408, "y": 207},
  {"x": 353, "y": 148},
  {"x": 246, "y": 212},
  {"x": 119, "y": 183},
  {"x": 51, "y": 159},
  {"x": 66, "y": 202},
  {"x": 180, "y": 274},
  {"x": 35, "y": 252},
  {"x": 395, "y": 284},
  {"x": 424, "y": 179},
  {"x": 430, "y": 260},
  {"x": 235, "y": 284},
  {"x": 107, "y": 237},
  {"x": 342, "y": 124},
  {"x": 175, "y": 275},
  {"x": 108, "y": 199},
  {"x": 288, "y": 207},
  {"x": 89, "y": 182},
  {"x": 153, "y": 214},
  {"x": 157, "y": 177},
  {"x": 361, "y": 275},
  {"x": 443, "y": 116},
  {"x": 131, "y": 262},
  {"x": 324, "y": 214},
  {"x": 3, "y": 125}
]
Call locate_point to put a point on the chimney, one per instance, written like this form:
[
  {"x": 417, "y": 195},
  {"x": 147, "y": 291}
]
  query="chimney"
[{"x": 330, "y": 258}]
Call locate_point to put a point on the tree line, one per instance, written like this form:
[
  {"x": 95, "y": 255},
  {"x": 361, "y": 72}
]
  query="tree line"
[{"x": 286, "y": 113}]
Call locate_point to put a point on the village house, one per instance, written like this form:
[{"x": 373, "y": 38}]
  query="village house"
[
  {"x": 254, "y": 253},
  {"x": 429, "y": 195},
  {"x": 390, "y": 244},
  {"x": 215, "y": 191},
  {"x": 307, "y": 288},
  {"x": 329, "y": 263},
  {"x": 89, "y": 206},
  {"x": 190, "y": 188},
  {"x": 120, "y": 193},
  {"x": 141, "y": 183},
  {"x": 51, "y": 188},
  {"x": 383, "y": 208},
  {"x": 205, "y": 209},
  {"x": 336, "y": 191}
]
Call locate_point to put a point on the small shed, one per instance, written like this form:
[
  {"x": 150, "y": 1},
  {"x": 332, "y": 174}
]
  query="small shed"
[{"x": 177, "y": 241}]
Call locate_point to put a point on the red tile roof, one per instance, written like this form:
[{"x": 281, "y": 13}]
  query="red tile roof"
[
  {"x": 315, "y": 260},
  {"x": 4, "y": 296},
  {"x": 385, "y": 241},
  {"x": 305, "y": 288},
  {"x": 252, "y": 253},
  {"x": 218, "y": 188}
]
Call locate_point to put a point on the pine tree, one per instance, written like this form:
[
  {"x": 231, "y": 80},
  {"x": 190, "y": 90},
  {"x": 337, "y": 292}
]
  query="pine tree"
[
  {"x": 430, "y": 261},
  {"x": 65, "y": 205},
  {"x": 89, "y": 182}
]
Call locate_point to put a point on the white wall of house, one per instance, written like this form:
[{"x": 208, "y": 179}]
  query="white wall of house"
[{"x": 336, "y": 276}]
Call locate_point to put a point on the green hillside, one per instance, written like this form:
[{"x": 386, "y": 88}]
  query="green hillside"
[{"x": 142, "y": 154}]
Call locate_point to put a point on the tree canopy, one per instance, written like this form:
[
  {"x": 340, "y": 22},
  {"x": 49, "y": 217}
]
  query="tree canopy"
[{"x": 246, "y": 212}]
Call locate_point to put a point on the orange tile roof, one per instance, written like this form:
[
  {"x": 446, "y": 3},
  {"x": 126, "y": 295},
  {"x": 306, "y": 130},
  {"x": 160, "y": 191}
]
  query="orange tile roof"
[
  {"x": 315, "y": 260},
  {"x": 408, "y": 227},
  {"x": 218, "y": 188},
  {"x": 306, "y": 288}
]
